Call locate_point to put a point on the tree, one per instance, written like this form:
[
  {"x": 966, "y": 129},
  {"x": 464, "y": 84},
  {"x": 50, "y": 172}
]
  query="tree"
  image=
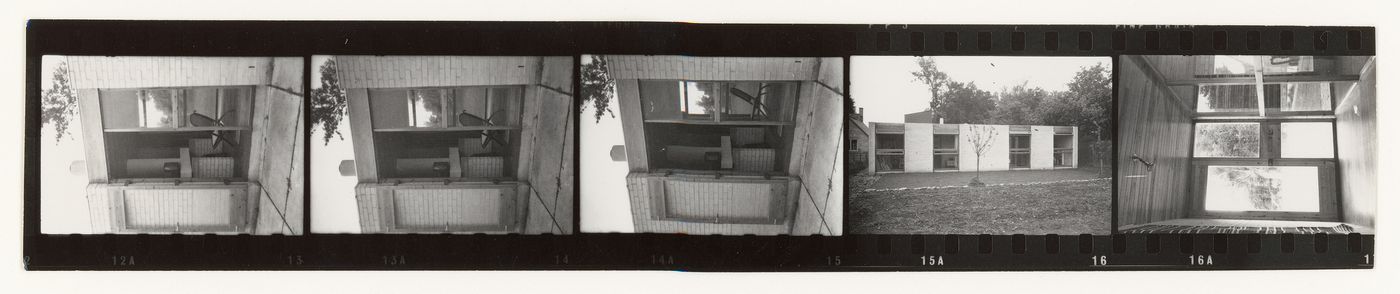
[
  {"x": 1261, "y": 182},
  {"x": 59, "y": 103},
  {"x": 981, "y": 138},
  {"x": 597, "y": 86},
  {"x": 934, "y": 79},
  {"x": 1020, "y": 105},
  {"x": 328, "y": 103},
  {"x": 965, "y": 103}
]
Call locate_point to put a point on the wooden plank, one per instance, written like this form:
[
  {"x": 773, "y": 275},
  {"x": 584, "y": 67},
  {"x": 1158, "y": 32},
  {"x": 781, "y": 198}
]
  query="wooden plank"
[
  {"x": 720, "y": 123},
  {"x": 366, "y": 167},
  {"x": 94, "y": 141},
  {"x": 633, "y": 130},
  {"x": 1268, "y": 79}
]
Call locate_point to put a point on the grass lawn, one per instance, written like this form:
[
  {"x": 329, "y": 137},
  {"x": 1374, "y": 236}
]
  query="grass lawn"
[{"x": 1069, "y": 208}]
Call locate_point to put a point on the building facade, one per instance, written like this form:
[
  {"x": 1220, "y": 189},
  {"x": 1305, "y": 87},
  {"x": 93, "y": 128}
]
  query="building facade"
[
  {"x": 191, "y": 145},
  {"x": 719, "y": 145},
  {"x": 461, "y": 144},
  {"x": 927, "y": 147}
]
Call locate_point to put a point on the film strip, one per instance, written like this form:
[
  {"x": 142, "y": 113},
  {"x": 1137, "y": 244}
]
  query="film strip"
[{"x": 516, "y": 243}]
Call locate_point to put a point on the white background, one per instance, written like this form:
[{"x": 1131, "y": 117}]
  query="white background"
[{"x": 1336, "y": 12}]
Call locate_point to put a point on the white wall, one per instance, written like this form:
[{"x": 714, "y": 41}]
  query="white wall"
[
  {"x": 996, "y": 158},
  {"x": 918, "y": 147},
  {"x": 1042, "y": 147}
]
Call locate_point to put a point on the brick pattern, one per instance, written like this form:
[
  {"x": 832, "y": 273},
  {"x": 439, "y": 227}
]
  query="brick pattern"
[
  {"x": 714, "y": 68},
  {"x": 638, "y": 186},
  {"x": 93, "y": 72},
  {"x": 435, "y": 71}
]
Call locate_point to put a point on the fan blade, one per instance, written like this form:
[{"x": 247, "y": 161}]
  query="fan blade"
[
  {"x": 468, "y": 119},
  {"x": 490, "y": 119},
  {"x": 200, "y": 120}
]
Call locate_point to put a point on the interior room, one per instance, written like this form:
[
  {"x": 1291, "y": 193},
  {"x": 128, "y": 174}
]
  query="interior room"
[
  {"x": 1247, "y": 144},
  {"x": 729, "y": 127}
]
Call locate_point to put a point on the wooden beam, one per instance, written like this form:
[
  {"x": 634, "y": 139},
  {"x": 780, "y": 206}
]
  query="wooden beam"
[
  {"x": 633, "y": 130},
  {"x": 1267, "y": 80},
  {"x": 366, "y": 167},
  {"x": 720, "y": 123}
]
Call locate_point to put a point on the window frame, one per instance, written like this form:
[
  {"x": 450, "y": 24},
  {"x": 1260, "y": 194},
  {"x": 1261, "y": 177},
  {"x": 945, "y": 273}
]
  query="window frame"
[
  {"x": 1013, "y": 152},
  {"x": 946, "y": 151},
  {"x": 776, "y": 119},
  {"x": 1270, "y": 154}
]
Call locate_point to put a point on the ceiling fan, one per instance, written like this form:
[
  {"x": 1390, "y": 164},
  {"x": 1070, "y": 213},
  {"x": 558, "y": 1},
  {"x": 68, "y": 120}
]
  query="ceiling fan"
[
  {"x": 758, "y": 110},
  {"x": 487, "y": 136},
  {"x": 200, "y": 120}
]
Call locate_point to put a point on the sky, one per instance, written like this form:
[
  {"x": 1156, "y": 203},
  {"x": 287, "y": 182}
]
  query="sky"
[
  {"x": 62, "y": 195},
  {"x": 333, "y": 207},
  {"x": 603, "y": 203},
  {"x": 884, "y": 86}
]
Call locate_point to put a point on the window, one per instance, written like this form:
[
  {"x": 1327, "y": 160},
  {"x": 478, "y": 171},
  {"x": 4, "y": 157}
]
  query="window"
[
  {"x": 1020, "y": 150},
  {"x": 1232, "y": 140},
  {"x": 426, "y": 107},
  {"x": 718, "y": 101},
  {"x": 432, "y": 134},
  {"x": 164, "y": 134},
  {"x": 1244, "y": 98},
  {"x": 1264, "y": 157},
  {"x": 1064, "y": 149},
  {"x": 1262, "y": 188},
  {"x": 945, "y": 152},
  {"x": 728, "y": 126},
  {"x": 889, "y": 153},
  {"x": 1306, "y": 140},
  {"x": 1229, "y": 65}
]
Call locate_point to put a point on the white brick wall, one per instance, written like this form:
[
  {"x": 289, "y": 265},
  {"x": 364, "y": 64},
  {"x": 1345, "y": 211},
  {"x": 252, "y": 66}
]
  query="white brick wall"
[
  {"x": 1042, "y": 147},
  {"x": 918, "y": 147}
]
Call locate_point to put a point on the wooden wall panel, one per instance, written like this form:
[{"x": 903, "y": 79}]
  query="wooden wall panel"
[
  {"x": 713, "y": 68},
  {"x": 106, "y": 72},
  {"x": 435, "y": 71},
  {"x": 640, "y": 187},
  {"x": 1156, "y": 127},
  {"x": 1357, "y": 148}
]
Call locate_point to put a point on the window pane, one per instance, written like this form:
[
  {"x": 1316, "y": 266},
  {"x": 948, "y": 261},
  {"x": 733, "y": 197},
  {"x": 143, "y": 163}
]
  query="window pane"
[
  {"x": 1307, "y": 140},
  {"x": 1020, "y": 141},
  {"x": 425, "y": 107},
  {"x": 1236, "y": 140},
  {"x": 1279, "y": 97},
  {"x": 1262, "y": 188},
  {"x": 945, "y": 142},
  {"x": 701, "y": 97},
  {"x": 157, "y": 108},
  {"x": 1248, "y": 65},
  {"x": 889, "y": 141},
  {"x": 1235, "y": 65}
]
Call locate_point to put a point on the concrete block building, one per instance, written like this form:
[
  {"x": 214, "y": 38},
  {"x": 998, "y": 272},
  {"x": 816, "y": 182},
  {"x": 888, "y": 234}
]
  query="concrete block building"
[
  {"x": 928, "y": 147},
  {"x": 734, "y": 146},
  {"x": 191, "y": 145},
  {"x": 461, "y": 144}
]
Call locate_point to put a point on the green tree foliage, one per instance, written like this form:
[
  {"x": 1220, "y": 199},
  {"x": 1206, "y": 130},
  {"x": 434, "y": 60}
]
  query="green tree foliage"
[
  {"x": 59, "y": 103},
  {"x": 328, "y": 103},
  {"x": 597, "y": 86}
]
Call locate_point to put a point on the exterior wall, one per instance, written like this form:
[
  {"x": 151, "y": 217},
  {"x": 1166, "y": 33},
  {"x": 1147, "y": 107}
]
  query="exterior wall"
[
  {"x": 105, "y": 72},
  {"x": 819, "y": 208},
  {"x": 1357, "y": 148},
  {"x": 639, "y": 67},
  {"x": 279, "y": 128},
  {"x": 996, "y": 157},
  {"x": 918, "y": 148},
  {"x": 435, "y": 71},
  {"x": 639, "y": 187},
  {"x": 550, "y": 147},
  {"x": 275, "y": 146},
  {"x": 546, "y": 156},
  {"x": 922, "y": 117},
  {"x": 1043, "y": 147},
  {"x": 815, "y": 158}
]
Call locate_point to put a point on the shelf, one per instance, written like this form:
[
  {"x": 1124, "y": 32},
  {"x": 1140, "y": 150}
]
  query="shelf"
[
  {"x": 720, "y": 123},
  {"x": 181, "y": 129},
  {"x": 449, "y": 129}
]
